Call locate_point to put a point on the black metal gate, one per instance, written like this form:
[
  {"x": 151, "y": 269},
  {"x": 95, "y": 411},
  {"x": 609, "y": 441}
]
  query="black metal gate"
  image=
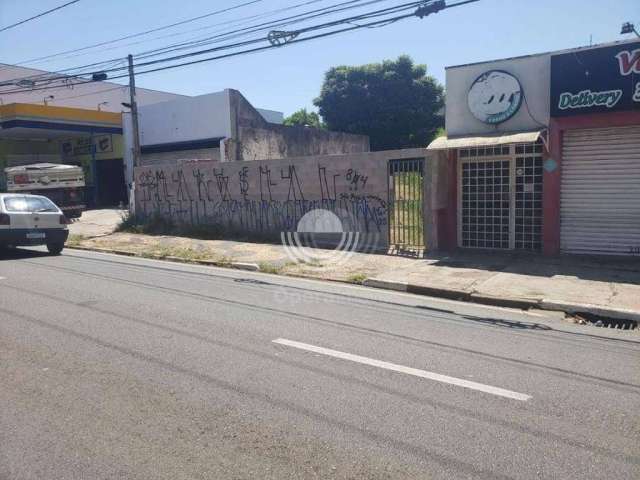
[{"x": 406, "y": 212}]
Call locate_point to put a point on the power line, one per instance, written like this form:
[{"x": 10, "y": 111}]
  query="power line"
[
  {"x": 346, "y": 5},
  {"x": 206, "y": 27},
  {"x": 38, "y": 16},
  {"x": 97, "y": 92},
  {"x": 388, "y": 10},
  {"x": 260, "y": 39},
  {"x": 196, "y": 41},
  {"x": 385, "y": 21},
  {"x": 146, "y": 32},
  {"x": 253, "y": 50}
]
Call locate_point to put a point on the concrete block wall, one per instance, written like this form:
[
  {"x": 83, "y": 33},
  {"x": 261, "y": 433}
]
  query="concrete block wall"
[
  {"x": 253, "y": 138},
  {"x": 280, "y": 141},
  {"x": 271, "y": 196}
]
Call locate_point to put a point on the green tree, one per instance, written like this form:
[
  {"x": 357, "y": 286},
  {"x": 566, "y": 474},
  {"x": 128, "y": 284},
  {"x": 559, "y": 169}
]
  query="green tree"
[
  {"x": 394, "y": 102},
  {"x": 304, "y": 118}
]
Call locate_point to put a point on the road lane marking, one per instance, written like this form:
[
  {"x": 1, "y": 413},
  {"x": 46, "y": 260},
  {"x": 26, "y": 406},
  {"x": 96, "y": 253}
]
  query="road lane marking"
[{"x": 459, "y": 382}]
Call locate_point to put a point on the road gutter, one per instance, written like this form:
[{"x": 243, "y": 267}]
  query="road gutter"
[{"x": 397, "y": 286}]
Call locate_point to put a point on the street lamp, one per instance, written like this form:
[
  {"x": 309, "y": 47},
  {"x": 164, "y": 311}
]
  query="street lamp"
[
  {"x": 629, "y": 27},
  {"x": 50, "y": 97},
  {"x": 100, "y": 105}
]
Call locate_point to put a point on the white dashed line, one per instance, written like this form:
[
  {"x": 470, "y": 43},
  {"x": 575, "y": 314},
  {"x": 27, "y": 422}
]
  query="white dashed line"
[{"x": 501, "y": 392}]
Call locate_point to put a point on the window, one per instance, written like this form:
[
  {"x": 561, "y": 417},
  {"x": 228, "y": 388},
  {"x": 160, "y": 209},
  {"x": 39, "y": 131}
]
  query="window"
[{"x": 29, "y": 204}]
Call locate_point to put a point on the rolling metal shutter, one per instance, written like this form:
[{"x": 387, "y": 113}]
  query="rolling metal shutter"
[{"x": 600, "y": 199}]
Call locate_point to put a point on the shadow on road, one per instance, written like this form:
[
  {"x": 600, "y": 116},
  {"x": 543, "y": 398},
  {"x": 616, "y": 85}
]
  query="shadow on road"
[{"x": 20, "y": 253}]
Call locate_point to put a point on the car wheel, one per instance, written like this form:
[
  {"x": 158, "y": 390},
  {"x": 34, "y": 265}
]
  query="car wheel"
[{"x": 55, "y": 248}]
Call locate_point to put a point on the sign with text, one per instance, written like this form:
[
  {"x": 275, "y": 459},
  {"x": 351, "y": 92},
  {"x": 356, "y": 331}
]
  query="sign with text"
[
  {"x": 86, "y": 145},
  {"x": 598, "y": 80}
]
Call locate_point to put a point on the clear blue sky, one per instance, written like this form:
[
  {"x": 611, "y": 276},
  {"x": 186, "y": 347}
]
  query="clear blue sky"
[{"x": 289, "y": 78}]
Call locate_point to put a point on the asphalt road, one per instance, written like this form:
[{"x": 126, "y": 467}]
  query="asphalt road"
[{"x": 112, "y": 367}]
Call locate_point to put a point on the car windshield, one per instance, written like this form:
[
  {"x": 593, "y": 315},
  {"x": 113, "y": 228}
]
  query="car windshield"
[{"x": 29, "y": 204}]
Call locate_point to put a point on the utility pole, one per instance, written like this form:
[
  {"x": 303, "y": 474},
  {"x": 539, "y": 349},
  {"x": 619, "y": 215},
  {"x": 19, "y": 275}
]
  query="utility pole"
[
  {"x": 136, "y": 133},
  {"x": 134, "y": 113}
]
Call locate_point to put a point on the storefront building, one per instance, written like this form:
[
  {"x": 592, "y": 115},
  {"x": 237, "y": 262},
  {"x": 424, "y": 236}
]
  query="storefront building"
[
  {"x": 544, "y": 153},
  {"x": 50, "y": 134},
  {"x": 595, "y": 140},
  {"x": 497, "y": 118}
]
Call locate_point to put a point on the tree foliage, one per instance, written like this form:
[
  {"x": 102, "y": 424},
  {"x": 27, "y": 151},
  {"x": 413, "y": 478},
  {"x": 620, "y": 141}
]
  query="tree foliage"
[
  {"x": 304, "y": 118},
  {"x": 394, "y": 102}
]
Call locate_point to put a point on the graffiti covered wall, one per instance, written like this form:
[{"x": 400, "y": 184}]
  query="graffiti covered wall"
[{"x": 271, "y": 196}]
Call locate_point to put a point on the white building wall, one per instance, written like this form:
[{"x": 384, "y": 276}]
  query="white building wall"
[
  {"x": 534, "y": 74},
  {"x": 186, "y": 119}
]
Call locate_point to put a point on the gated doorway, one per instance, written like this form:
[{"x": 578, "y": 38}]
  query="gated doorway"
[
  {"x": 500, "y": 197},
  {"x": 406, "y": 205}
]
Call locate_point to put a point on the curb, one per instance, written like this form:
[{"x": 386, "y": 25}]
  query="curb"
[
  {"x": 616, "y": 313},
  {"x": 251, "y": 267},
  {"x": 450, "y": 294},
  {"x": 517, "y": 303},
  {"x": 386, "y": 285}
]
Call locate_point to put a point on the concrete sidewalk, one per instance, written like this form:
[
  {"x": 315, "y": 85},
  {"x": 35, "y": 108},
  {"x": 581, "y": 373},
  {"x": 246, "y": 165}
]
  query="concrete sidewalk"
[
  {"x": 601, "y": 286},
  {"x": 96, "y": 223}
]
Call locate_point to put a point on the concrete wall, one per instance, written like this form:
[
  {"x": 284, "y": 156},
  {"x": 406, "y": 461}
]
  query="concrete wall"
[
  {"x": 252, "y": 137},
  {"x": 271, "y": 196},
  {"x": 534, "y": 75},
  {"x": 281, "y": 141},
  {"x": 271, "y": 116}
]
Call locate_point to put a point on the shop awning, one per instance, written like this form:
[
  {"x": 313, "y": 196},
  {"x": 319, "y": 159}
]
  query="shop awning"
[{"x": 443, "y": 143}]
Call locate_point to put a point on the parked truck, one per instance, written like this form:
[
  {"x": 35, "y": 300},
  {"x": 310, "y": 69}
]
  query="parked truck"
[{"x": 62, "y": 184}]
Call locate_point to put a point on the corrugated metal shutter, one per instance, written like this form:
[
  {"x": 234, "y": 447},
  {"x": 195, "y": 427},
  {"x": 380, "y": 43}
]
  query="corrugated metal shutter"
[{"x": 600, "y": 199}]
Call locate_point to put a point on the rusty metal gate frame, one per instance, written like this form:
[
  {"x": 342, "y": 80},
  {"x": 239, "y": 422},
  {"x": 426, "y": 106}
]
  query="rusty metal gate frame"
[{"x": 406, "y": 229}]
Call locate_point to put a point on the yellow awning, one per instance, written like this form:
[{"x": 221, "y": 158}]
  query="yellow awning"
[{"x": 443, "y": 143}]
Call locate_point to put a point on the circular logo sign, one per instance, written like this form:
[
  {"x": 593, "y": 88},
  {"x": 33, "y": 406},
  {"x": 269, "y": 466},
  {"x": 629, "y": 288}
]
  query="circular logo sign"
[{"x": 495, "y": 97}]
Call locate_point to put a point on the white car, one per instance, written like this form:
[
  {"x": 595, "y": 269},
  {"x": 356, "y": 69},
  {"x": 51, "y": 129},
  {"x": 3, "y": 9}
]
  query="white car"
[{"x": 32, "y": 220}]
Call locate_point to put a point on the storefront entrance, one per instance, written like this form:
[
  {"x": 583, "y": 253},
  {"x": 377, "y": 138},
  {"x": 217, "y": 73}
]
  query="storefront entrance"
[
  {"x": 500, "y": 197},
  {"x": 111, "y": 187}
]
